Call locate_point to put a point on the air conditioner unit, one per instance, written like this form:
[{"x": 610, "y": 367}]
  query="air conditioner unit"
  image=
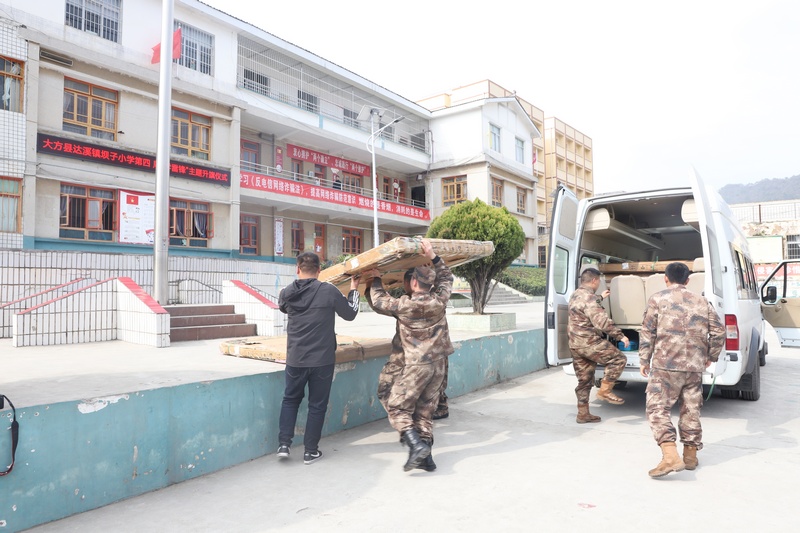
[{"x": 52, "y": 57}]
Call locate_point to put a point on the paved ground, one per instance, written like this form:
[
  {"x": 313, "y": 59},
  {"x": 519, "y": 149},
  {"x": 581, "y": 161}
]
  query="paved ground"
[{"x": 511, "y": 458}]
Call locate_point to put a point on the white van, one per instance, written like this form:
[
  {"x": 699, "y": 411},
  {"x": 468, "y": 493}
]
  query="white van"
[{"x": 630, "y": 238}]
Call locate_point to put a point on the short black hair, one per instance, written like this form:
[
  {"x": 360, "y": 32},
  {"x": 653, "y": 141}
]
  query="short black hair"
[
  {"x": 407, "y": 276},
  {"x": 590, "y": 274},
  {"x": 308, "y": 262},
  {"x": 677, "y": 273}
]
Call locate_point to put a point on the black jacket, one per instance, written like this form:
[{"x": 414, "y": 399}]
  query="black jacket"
[{"x": 311, "y": 304}]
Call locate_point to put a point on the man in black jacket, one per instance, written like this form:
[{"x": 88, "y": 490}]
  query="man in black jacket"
[{"x": 310, "y": 350}]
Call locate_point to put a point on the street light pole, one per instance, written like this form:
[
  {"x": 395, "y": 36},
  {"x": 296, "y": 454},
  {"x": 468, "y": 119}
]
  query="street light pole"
[{"x": 371, "y": 148}]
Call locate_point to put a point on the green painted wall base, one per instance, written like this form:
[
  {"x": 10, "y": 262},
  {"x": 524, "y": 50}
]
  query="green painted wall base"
[{"x": 74, "y": 456}]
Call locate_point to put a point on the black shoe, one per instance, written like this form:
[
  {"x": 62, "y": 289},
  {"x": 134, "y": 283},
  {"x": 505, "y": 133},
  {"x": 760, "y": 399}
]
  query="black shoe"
[
  {"x": 312, "y": 457},
  {"x": 418, "y": 450},
  {"x": 440, "y": 414},
  {"x": 283, "y": 452},
  {"x": 428, "y": 465}
]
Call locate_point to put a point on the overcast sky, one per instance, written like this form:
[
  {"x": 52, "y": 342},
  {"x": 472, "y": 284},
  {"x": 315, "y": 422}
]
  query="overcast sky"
[{"x": 658, "y": 86}]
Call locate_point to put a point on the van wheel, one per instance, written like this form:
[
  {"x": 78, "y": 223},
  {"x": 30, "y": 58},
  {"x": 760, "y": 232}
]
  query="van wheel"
[
  {"x": 729, "y": 394},
  {"x": 762, "y": 355},
  {"x": 755, "y": 381}
]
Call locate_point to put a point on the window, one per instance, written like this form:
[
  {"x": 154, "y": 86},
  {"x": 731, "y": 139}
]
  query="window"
[
  {"x": 520, "y": 150},
  {"x": 320, "y": 174},
  {"x": 521, "y": 200},
  {"x": 10, "y": 201},
  {"x": 351, "y": 182},
  {"x": 494, "y": 137},
  {"x": 351, "y": 118},
  {"x": 307, "y": 101},
  {"x": 387, "y": 188},
  {"x": 351, "y": 241},
  {"x": 298, "y": 238},
  {"x": 251, "y": 156},
  {"x": 793, "y": 247},
  {"x": 256, "y": 82},
  {"x": 191, "y": 134},
  {"x": 319, "y": 241},
  {"x": 543, "y": 256},
  {"x": 454, "y": 190},
  {"x": 190, "y": 223},
  {"x": 100, "y": 17},
  {"x": 90, "y": 110},
  {"x": 11, "y": 75},
  {"x": 497, "y": 193},
  {"x": 197, "y": 49},
  {"x": 248, "y": 235},
  {"x": 87, "y": 213},
  {"x": 387, "y": 236}
]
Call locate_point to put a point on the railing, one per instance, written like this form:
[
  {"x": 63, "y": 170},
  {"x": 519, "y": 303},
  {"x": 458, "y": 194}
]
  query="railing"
[{"x": 247, "y": 166}]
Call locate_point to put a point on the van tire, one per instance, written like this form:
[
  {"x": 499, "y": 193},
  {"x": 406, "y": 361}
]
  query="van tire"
[
  {"x": 729, "y": 394},
  {"x": 754, "y": 393}
]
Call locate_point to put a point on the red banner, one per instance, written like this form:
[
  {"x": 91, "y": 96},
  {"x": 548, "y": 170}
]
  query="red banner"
[
  {"x": 275, "y": 185},
  {"x": 327, "y": 160}
]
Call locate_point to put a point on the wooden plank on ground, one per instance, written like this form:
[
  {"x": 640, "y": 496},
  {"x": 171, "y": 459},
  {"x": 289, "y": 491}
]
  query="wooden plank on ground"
[{"x": 274, "y": 348}]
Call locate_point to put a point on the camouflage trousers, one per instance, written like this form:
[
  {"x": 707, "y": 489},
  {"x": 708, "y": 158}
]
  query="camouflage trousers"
[
  {"x": 585, "y": 361},
  {"x": 392, "y": 369},
  {"x": 441, "y": 405},
  {"x": 664, "y": 389},
  {"x": 414, "y": 396}
]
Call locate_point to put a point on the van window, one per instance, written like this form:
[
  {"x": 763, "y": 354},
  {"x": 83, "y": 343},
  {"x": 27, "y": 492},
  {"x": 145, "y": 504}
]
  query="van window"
[
  {"x": 716, "y": 267},
  {"x": 559, "y": 263}
]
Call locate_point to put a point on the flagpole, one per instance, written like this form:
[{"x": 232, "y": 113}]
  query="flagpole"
[{"x": 161, "y": 244}]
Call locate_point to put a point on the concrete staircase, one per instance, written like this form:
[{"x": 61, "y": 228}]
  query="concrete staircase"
[
  {"x": 504, "y": 295},
  {"x": 206, "y": 321}
]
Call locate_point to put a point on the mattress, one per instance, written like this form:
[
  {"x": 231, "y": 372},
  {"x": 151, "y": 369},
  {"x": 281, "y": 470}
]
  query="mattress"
[{"x": 394, "y": 257}]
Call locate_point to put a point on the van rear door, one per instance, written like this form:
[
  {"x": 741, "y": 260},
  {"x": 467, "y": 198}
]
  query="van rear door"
[
  {"x": 780, "y": 301},
  {"x": 562, "y": 263},
  {"x": 710, "y": 237}
]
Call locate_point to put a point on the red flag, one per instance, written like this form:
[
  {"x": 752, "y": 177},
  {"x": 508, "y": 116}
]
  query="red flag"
[{"x": 176, "y": 48}]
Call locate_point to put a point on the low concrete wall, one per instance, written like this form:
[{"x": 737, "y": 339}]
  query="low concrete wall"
[{"x": 79, "y": 455}]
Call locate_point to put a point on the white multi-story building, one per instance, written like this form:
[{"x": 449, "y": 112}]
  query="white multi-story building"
[{"x": 269, "y": 141}]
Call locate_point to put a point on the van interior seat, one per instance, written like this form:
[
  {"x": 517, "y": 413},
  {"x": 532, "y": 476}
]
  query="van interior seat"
[
  {"x": 654, "y": 283},
  {"x": 697, "y": 279},
  {"x": 627, "y": 300}
]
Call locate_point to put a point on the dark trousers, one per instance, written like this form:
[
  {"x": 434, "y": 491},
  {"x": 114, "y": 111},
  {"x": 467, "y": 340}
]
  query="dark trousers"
[{"x": 319, "y": 381}]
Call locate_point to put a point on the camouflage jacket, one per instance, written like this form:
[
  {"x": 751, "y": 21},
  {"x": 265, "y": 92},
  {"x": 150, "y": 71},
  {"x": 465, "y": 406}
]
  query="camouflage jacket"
[
  {"x": 421, "y": 318},
  {"x": 681, "y": 331},
  {"x": 588, "y": 319}
]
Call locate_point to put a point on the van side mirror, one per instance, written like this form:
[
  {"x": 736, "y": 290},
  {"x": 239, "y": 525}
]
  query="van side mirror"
[{"x": 772, "y": 295}]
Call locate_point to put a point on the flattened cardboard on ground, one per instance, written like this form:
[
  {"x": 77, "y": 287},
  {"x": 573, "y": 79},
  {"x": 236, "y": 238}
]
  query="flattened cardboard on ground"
[
  {"x": 393, "y": 258},
  {"x": 274, "y": 348}
]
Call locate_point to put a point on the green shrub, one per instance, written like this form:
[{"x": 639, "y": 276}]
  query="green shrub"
[{"x": 527, "y": 280}]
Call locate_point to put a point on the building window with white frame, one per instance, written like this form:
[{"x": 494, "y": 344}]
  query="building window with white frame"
[
  {"x": 100, "y": 17},
  {"x": 521, "y": 200},
  {"x": 494, "y": 137},
  {"x": 191, "y": 134},
  {"x": 10, "y": 202},
  {"x": 11, "y": 75},
  {"x": 197, "y": 49},
  {"x": 519, "y": 146},
  {"x": 90, "y": 110},
  {"x": 248, "y": 235},
  {"x": 793, "y": 247}
]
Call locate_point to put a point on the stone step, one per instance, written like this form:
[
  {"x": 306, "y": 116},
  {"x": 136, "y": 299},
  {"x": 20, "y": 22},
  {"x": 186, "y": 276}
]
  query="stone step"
[
  {"x": 205, "y": 320},
  {"x": 199, "y": 309},
  {"x": 223, "y": 331}
]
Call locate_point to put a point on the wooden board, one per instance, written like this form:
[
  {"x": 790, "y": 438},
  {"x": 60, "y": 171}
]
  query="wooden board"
[
  {"x": 639, "y": 267},
  {"x": 273, "y": 349},
  {"x": 393, "y": 258}
]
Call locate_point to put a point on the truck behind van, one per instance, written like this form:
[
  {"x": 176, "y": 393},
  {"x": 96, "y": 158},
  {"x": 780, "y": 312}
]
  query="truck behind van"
[{"x": 631, "y": 237}]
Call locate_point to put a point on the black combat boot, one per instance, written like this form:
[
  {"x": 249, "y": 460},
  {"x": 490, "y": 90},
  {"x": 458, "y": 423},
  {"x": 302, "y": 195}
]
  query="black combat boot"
[
  {"x": 418, "y": 451},
  {"x": 428, "y": 465}
]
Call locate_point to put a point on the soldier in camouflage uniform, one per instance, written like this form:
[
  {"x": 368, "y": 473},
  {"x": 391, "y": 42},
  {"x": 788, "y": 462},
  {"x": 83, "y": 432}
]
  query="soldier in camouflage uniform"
[
  {"x": 681, "y": 336},
  {"x": 425, "y": 341},
  {"x": 587, "y": 320}
]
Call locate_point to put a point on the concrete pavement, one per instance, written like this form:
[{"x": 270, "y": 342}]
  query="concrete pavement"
[{"x": 511, "y": 458}]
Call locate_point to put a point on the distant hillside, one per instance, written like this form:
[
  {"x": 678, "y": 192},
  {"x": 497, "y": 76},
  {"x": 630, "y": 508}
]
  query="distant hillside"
[{"x": 768, "y": 190}]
